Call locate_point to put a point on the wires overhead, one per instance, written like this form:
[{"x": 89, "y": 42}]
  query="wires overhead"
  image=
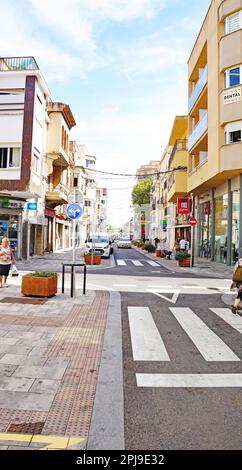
[{"x": 157, "y": 173}]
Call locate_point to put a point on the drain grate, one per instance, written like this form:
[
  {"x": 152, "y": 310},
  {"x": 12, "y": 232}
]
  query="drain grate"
[
  {"x": 21, "y": 300},
  {"x": 26, "y": 428}
]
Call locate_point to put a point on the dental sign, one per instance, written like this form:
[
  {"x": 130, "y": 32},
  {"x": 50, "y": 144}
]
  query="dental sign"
[
  {"x": 74, "y": 211},
  {"x": 232, "y": 96}
]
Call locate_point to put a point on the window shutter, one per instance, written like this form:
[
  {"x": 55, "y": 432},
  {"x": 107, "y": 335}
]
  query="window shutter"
[{"x": 233, "y": 23}]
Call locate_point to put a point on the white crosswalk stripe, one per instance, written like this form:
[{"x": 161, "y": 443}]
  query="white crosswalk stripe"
[
  {"x": 136, "y": 262},
  {"x": 147, "y": 344},
  {"x": 121, "y": 262},
  {"x": 207, "y": 342},
  {"x": 234, "y": 320},
  {"x": 189, "y": 380},
  {"x": 153, "y": 263}
]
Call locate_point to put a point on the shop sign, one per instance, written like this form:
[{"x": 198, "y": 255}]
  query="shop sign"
[
  {"x": 183, "y": 205},
  {"x": 32, "y": 206},
  {"x": 49, "y": 212},
  {"x": 207, "y": 208},
  {"x": 232, "y": 96},
  {"x": 12, "y": 204}
]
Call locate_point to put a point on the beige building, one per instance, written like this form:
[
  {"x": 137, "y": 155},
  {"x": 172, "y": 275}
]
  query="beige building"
[{"x": 215, "y": 130}]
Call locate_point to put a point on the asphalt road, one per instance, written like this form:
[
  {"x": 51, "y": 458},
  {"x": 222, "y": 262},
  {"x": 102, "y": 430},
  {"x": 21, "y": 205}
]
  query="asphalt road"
[{"x": 187, "y": 417}]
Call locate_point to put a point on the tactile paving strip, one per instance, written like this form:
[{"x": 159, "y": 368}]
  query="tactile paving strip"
[
  {"x": 22, "y": 300},
  {"x": 26, "y": 428},
  {"x": 81, "y": 341}
]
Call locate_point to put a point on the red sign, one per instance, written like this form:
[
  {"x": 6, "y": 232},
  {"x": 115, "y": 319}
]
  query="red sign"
[
  {"x": 49, "y": 212},
  {"x": 193, "y": 221},
  {"x": 183, "y": 205},
  {"x": 207, "y": 208}
]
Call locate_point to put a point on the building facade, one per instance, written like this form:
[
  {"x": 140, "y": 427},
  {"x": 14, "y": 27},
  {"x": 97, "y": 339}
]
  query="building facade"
[{"x": 215, "y": 132}]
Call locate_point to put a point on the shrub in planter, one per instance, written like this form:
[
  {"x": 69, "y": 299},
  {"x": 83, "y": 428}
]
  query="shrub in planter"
[
  {"x": 39, "y": 284},
  {"x": 183, "y": 257},
  {"x": 150, "y": 247}
]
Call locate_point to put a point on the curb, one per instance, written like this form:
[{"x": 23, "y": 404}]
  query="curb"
[{"x": 107, "y": 423}]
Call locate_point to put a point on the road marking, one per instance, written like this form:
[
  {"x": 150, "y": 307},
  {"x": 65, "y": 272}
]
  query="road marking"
[
  {"x": 174, "y": 298},
  {"x": 207, "y": 342},
  {"x": 160, "y": 287},
  {"x": 156, "y": 272},
  {"x": 136, "y": 262},
  {"x": 53, "y": 442},
  {"x": 153, "y": 263},
  {"x": 193, "y": 287},
  {"x": 124, "y": 285},
  {"x": 189, "y": 380},
  {"x": 121, "y": 262},
  {"x": 147, "y": 344},
  {"x": 234, "y": 320}
]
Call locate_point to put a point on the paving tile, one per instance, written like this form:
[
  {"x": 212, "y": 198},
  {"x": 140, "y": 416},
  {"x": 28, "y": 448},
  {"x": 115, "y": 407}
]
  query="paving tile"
[
  {"x": 45, "y": 386},
  {"x": 2, "y": 333},
  {"x": 15, "y": 384},
  {"x": 7, "y": 369},
  {"x": 57, "y": 361},
  {"x": 38, "y": 372},
  {"x": 8, "y": 341},
  {"x": 36, "y": 351},
  {"x": 21, "y": 350},
  {"x": 25, "y": 401}
]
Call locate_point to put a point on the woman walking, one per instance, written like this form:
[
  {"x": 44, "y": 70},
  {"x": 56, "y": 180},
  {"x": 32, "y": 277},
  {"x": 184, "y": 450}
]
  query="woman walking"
[{"x": 6, "y": 259}]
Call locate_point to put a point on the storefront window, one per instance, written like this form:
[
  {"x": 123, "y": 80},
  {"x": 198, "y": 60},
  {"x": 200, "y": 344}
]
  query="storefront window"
[
  {"x": 235, "y": 226},
  {"x": 205, "y": 230},
  {"x": 221, "y": 228}
]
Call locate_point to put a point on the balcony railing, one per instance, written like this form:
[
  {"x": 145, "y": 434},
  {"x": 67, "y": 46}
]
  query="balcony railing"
[
  {"x": 180, "y": 144},
  {"x": 60, "y": 188},
  {"x": 198, "y": 88},
  {"x": 18, "y": 63},
  {"x": 198, "y": 131}
]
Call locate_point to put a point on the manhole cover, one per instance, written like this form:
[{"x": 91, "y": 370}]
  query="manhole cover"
[
  {"x": 26, "y": 428},
  {"x": 21, "y": 300}
]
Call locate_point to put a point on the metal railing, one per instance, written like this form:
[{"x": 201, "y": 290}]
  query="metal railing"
[
  {"x": 198, "y": 131},
  {"x": 198, "y": 88},
  {"x": 72, "y": 266},
  {"x": 18, "y": 63}
]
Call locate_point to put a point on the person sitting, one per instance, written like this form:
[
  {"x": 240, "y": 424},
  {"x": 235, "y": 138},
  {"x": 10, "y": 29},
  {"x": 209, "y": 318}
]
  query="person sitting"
[{"x": 165, "y": 249}]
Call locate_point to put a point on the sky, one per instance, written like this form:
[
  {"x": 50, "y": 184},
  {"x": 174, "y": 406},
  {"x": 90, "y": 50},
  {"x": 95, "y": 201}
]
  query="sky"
[{"x": 121, "y": 65}]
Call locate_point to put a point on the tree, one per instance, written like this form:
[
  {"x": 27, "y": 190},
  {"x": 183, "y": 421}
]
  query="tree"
[{"x": 141, "y": 192}]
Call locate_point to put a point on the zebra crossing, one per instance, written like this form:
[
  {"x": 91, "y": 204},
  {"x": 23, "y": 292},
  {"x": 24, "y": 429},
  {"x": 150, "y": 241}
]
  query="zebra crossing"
[
  {"x": 148, "y": 345},
  {"x": 136, "y": 263}
]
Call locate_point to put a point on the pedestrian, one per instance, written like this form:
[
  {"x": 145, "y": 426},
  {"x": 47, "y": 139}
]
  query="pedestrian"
[
  {"x": 6, "y": 259},
  {"x": 184, "y": 245},
  {"x": 237, "y": 284},
  {"x": 156, "y": 241}
]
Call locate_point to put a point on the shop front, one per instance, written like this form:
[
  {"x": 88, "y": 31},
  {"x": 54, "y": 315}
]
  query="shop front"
[
  {"x": 11, "y": 222},
  {"x": 50, "y": 229}
]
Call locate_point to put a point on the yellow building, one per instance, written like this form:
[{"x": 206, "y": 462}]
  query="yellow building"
[{"x": 215, "y": 130}]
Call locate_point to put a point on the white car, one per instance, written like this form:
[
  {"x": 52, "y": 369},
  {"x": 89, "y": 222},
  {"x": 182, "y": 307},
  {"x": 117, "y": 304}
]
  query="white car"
[
  {"x": 100, "y": 244},
  {"x": 124, "y": 243}
]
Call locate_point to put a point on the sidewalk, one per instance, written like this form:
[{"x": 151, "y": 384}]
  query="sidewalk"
[
  {"x": 54, "y": 261},
  {"x": 202, "y": 266},
  {"x": 50, "y": 354}
]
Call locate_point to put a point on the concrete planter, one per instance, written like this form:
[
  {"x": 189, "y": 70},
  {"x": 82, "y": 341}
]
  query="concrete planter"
[
  {"x": 96, "y": 259},
  {"x": 158, "y": 253},
  {"x": 39, "y": 286}
]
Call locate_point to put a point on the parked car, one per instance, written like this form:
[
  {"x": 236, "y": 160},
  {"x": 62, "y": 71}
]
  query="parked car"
[
  {"x": 100, "y": 244},
  {"x": 124, "y": 242}
]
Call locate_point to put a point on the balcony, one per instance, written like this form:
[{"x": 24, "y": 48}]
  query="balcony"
[
  {"x": 231, "y": 50},
  {"x": 230, "y": 157},
  {"x": 56, "y": 195},
  {"x": 17, "y": 64},
  {"x": 198, "y": 89},
  {"x": 198, "y": 132}
]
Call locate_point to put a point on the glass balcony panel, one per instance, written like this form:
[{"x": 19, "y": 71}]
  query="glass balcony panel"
[
  {"x": 198, "y": 131},
  {"x": 198, "y": 88}
]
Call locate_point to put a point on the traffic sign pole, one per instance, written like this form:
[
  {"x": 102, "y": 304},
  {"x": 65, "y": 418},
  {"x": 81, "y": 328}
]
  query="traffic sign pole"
[
  {"x": 74, "y": 211},
  {"x": 193, "y": 223}
]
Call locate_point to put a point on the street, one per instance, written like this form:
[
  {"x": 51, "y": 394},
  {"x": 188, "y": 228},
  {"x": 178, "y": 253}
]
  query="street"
[
  {"x": 182, "y": 356},
  {"x": 160, "y": 368}
]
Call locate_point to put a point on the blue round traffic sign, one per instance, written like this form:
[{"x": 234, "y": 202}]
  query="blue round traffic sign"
[{"x": 74, "y": 211}]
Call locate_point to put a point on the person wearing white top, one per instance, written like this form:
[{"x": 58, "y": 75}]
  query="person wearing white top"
[
  {"x": 6, "y": 259},
  {"x": 184, "y": 245}
]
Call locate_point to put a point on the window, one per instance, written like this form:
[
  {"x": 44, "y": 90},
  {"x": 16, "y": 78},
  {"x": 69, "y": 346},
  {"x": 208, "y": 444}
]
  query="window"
[
  {"x": 9, "y": 157},
  {"x": 36, "y": 164},
  {"x": 87, "y": 204},
  {"x": 233, "y": 22},
  {"x": 233, "y": 132},
  {"x": 75, "y": 182},
  {"x": 90, "y": 164},
  {"x": 233, "y": 76}
]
